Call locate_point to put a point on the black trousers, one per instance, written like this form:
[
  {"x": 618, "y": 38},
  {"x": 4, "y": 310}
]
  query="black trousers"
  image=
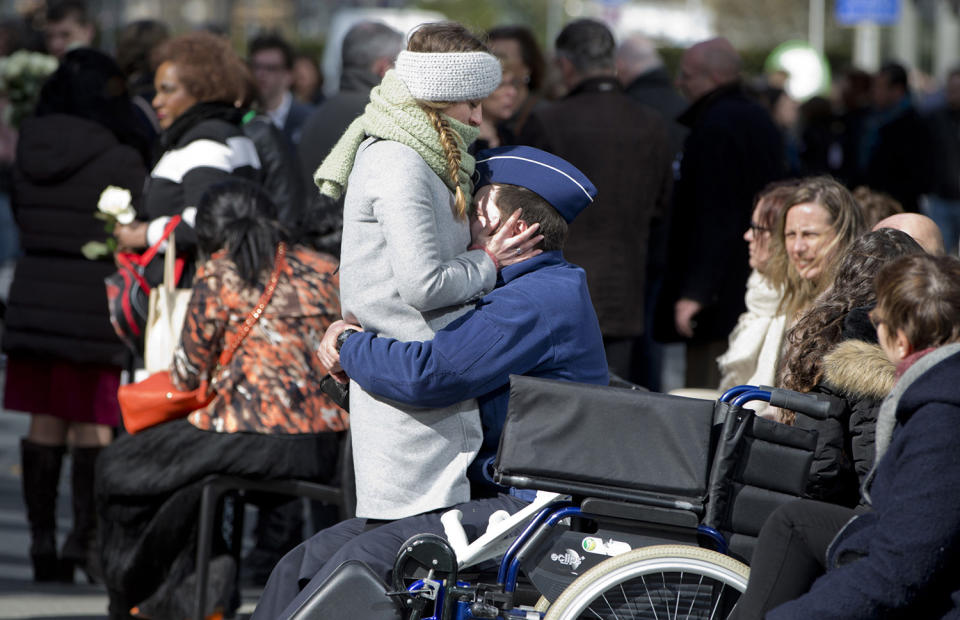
[
  {"x": 302, "y": 571},
  {"x": 791, "y": 553}
]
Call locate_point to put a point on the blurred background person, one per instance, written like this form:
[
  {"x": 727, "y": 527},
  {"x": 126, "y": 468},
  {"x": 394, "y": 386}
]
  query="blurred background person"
[
  {"x": 307, "y": 84},
  {"x": 516, "y": 44},
  {"x": 850, "y": 97},
  {"x": 732, "y": 152},
  {"x": 500, "y": 107},
  {"x": 895, "y": 148},
  {"x": 68, "y": 26},
  {"x": 279, "y": 174},
  {"x": 196, "y": 108},
  {"x": 942, "y": 204},
  {"x": 756, "y": 340},
  {"x": 644, "y": 77},
  {"x": 875, "y": 205},
  {"x": 12, "y": 38},
  {"x": 369, "y": 51},
  {"x": 271, "y": 62},
  {"x": 135, "y": 44},
  {"x": 923, "y": 230},
  {"x": 623, "y": 147},
  {"x": 64, "y": 357}
]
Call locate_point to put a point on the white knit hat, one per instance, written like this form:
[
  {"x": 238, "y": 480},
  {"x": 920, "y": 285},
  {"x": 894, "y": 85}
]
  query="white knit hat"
[{"x": 448, "y": 76}]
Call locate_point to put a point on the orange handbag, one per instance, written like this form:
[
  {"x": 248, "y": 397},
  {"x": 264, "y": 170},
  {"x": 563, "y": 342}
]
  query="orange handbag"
[{"x": 156, "y": 400}]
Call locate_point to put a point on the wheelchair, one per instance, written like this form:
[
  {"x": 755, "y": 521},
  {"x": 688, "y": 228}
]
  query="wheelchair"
[{"x": 647, "y": 506}]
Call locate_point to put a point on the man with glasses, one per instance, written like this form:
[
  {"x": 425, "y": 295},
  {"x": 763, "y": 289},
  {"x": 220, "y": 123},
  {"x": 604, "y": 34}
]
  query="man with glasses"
[{"x": 271, "y": 62}]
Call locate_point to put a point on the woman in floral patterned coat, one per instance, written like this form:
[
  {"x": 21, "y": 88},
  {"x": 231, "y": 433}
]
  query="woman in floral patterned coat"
[{"x": 268, "y": 419}]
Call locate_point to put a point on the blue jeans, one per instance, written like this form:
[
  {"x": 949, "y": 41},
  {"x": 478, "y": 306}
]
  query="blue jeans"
[{"x": 946, "y": 213}]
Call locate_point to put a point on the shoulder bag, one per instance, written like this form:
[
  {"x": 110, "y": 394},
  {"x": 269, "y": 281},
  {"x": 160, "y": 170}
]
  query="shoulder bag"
[
  {"x": 128, "y": 290},
  {"x": 167, "y": 309},
  {"x": 155, "y": 399}
]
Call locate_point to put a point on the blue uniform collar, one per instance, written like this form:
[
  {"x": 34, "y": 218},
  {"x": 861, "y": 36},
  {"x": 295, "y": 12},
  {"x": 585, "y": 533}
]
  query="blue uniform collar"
[{"x": 545, "y": 259}]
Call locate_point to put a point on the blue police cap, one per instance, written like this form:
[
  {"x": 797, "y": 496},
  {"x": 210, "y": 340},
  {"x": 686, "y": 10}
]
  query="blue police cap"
[{"x": 554, "y": 179}]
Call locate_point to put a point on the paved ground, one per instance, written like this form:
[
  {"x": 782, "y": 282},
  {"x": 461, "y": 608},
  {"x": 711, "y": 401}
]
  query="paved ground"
[{"x": 19, "y": 596}]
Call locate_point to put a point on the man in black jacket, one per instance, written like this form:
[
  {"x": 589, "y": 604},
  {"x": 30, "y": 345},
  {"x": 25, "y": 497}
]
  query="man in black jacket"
[
  {"x": 623, "y": 147},
  {"x": 733, "y": 150},
  {"x": 895, "y": 149},
  {"x": 641, "y": 71},
  {"x": 369, "y": 50}
]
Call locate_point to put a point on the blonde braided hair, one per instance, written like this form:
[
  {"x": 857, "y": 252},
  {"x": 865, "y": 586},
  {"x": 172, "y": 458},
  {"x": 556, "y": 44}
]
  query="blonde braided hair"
[
  {"x": 446, "y": 37},
  {"x": 451, "y": 150}
]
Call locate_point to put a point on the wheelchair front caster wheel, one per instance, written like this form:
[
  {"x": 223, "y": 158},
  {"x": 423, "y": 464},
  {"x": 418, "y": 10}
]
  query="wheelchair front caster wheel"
[{"x": 424, "y": 556}]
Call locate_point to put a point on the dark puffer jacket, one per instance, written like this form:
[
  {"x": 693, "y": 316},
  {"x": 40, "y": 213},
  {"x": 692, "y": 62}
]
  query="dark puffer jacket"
[
  {"x": 859, "y": 373},
  {"x": 901, "y": 559},
  {"x": 58, "y": 305}
]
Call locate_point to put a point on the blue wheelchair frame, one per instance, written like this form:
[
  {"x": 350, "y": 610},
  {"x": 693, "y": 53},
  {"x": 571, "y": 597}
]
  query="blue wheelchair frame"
[{"x": 536, "y": 530}]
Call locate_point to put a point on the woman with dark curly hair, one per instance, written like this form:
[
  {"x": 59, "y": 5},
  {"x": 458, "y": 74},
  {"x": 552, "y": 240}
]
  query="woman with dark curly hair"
[
  {"x": 202, "y": 142},
  {"x": 833, "y": 350}
]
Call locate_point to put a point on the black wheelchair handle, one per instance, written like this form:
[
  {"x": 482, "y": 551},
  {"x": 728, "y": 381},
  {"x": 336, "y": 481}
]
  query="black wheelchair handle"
[{"x": 818, "y": 406}]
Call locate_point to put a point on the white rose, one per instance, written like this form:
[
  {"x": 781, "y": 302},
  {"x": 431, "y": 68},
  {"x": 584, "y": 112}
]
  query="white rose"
[
  {"x": 116, "y": 202},
  {"x": 18, "y": 62}
]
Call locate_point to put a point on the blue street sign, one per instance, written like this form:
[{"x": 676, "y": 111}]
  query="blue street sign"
[{"x": 851, "y": 12}]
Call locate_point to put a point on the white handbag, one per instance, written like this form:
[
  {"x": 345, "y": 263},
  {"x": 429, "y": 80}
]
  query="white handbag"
[{"x": 167, "y": 309}]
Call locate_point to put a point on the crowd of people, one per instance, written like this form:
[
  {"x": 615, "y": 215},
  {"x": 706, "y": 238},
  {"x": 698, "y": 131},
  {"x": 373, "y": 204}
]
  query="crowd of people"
[{"x": 460, "y": 211}]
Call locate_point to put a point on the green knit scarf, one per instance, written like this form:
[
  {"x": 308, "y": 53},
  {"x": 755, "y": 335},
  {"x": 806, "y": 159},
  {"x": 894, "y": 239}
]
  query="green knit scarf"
[{"x": 392, "y": 114}]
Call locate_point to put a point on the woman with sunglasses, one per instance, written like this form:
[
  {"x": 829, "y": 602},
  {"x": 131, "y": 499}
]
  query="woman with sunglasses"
[{"x": 898, "y": 557}]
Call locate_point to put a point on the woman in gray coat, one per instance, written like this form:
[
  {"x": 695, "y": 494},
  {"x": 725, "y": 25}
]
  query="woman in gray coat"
[{"x": 406, "y": 270}]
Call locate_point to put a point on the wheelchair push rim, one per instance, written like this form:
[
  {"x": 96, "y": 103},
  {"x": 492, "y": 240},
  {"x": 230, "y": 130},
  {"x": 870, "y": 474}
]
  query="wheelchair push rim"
[{"x": 664, "y": 582}]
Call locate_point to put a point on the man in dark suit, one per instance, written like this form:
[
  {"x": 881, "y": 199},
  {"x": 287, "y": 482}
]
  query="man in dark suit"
[
  {"x": 623, "y": 147},
  {"x": 732, "y": 151},
  {"x": 271, "y": 62}
]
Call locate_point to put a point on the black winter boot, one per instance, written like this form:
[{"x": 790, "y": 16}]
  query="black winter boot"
[
  {"x": 80, "y": 548},
  {"x": 41, "y": 475}
]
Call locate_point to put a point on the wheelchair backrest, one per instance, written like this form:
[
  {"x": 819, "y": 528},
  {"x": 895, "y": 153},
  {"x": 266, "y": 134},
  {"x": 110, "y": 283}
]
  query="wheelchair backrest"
[
  {"x": 759, "y": 465},
  {"x": 608, "y": 437}
]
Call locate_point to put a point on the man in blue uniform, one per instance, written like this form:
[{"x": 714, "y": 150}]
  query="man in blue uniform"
[{"x": 539, "y": 321}]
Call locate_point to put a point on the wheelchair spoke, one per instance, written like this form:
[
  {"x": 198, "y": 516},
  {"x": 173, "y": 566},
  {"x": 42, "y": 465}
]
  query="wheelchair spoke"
[
  {"x": 627, "y": 601},
  {"x": 713, "y": 612},
  {"x": 696, "y": 595},
  {"x": 676, "y": 608},
  {"x": 653, "y": 607}
]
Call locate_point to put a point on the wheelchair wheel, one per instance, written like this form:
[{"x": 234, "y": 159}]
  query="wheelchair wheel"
[{"x": 662, "y": 581}]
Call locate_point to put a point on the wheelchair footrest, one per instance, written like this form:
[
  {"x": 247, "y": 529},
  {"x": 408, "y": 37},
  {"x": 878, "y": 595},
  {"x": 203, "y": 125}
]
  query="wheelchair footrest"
[{"x": 351, "y": 591}]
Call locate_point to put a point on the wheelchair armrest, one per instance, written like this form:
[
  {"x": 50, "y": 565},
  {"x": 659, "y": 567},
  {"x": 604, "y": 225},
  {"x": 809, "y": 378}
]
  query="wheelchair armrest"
[{"x": 637, "y": 512}]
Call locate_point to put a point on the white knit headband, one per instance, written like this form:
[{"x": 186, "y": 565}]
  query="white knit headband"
[{"x": 448, "y": 76}]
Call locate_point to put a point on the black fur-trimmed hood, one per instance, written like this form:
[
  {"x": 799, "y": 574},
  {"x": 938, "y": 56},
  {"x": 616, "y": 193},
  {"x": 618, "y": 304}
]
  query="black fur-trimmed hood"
[{"x": 860, "y": 369}]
